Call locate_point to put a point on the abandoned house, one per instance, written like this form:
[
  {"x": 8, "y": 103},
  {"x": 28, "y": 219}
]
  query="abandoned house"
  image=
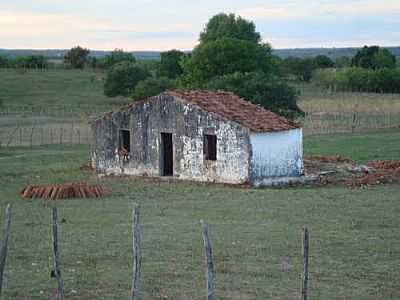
[{"x": 198, "y": 135}]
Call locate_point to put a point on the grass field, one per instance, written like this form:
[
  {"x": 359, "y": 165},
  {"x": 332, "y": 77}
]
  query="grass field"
[
  {"x": 54, "y": 88},
  {"x": 256, "y": 234}
]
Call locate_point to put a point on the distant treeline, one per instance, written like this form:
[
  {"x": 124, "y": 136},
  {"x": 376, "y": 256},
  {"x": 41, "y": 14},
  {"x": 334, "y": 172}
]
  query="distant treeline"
[
  {"x": 386, "y": 80},
  {"x": 333, "y": 53},
  {"x": 26, "y": 62}
]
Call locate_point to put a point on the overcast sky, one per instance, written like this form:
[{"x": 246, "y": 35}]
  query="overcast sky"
[{"x": 167, "y": 24}]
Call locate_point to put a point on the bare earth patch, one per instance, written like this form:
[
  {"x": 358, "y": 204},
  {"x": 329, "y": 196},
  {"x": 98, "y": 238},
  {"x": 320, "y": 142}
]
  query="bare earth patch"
[{"x": 337, "y": 170}]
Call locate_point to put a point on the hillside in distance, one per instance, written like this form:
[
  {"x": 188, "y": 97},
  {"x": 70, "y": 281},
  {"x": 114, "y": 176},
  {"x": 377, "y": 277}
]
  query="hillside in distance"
[{"x": 155, "y": 55}]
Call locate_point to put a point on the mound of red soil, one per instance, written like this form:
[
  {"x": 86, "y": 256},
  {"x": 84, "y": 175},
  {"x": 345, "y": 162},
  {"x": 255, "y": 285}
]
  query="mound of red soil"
[
  {"x": 63, "y": 191},
  {"x": 388, "y": 176},
  {"x": 385, "y": 164}
]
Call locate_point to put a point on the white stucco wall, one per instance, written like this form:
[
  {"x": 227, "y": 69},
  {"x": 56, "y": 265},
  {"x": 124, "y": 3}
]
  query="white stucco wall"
[
  {"x": 276, "y": 154},
  {"x": 231, "y": 166}
]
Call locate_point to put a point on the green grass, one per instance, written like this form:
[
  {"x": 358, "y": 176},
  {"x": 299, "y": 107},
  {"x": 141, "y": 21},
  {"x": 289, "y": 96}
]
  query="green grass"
[
  {"x": 59, "y": 87},
  {"x": 256, "y": 233},
  {"x": 362, "y": 147}
]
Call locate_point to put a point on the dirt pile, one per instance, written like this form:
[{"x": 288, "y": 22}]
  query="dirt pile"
[
  {"x": 63, "y": 191},
  {"x": 337, "y": 170},
  {"x": 385, "y": 172},
  {"x": 385, "y": 164}
]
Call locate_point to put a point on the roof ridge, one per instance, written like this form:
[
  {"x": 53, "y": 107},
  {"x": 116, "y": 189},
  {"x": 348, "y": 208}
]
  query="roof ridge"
[{"x": 237, "y": 109}]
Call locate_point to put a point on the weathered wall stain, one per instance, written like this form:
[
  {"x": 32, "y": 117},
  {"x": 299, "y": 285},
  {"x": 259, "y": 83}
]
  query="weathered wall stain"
[{"x": 188, "y": 124}]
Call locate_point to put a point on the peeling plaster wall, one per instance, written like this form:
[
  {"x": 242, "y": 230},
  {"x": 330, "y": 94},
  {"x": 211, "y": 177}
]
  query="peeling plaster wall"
[
  {"x": 188, "y": 124},
  {"x": 276, "y": 154}
]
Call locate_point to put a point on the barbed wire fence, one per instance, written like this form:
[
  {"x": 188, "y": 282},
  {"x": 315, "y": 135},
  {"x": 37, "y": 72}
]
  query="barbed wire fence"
[
  {"x": 61, "y": 124},
  {"x": 46, "y": 125},
  {"x": 176, "y": 264}
]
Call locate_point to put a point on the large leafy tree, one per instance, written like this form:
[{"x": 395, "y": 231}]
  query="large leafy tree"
[
  {"x": 170, "y": 65},
  {"x": 232, "y": 57},
  {"x": 228, "y": 44},
  {"x": 77, "y": 57},
  {"x": 225, "y": 56},
  {"x": 117, "y": 56},
  {"x": 323, "y": 62},
  {"x": 373, "y": 57},
  {"x": 301, "y": 68},
  {"x": 152, "y": 86},
  {"x": 229, "y": 26},
  {"x": 122, "y": 78},
  {"x": 4, "y": 61},
  {"x": 266, "y": 90}
]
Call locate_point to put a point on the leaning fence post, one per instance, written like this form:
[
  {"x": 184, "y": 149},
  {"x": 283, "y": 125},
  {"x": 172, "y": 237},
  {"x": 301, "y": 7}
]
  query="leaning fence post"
[
  {"x": 4, "y": 242},
  {"x": 56, "y": 255},
  {"x": 209, "y": 260},
  {"x": 306, "y": 241},
  {"x": 137, "y": 253}
]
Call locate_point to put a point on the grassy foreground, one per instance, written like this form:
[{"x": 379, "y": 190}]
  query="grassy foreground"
[{"x": 256, "y": 234}]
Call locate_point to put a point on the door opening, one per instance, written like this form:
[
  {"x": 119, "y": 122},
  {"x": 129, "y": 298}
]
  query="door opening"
[{"x": 167, "y": 166}]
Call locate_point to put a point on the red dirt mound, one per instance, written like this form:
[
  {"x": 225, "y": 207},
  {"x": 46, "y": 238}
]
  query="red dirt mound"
[
  {"x": 63, "y": 191},
  {"x": 385, "y": 164},
  {"x": 389, "y": 176}
]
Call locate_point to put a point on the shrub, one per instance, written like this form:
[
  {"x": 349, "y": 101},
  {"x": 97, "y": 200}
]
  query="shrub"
[{"x": 122, "y": 79}]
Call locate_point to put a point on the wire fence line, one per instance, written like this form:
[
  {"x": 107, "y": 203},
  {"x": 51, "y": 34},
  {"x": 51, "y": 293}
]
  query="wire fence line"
[
  {"x": 29, "y": 125},
  {"x": 241, "y": 274}
]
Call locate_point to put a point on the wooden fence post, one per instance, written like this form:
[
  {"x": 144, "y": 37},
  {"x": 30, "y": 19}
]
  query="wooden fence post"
[
  {"x": 56, "y": 255},
  {"x": 306, "y": 243},
  {"x": 137, "y": 253},
  {"x": 209, "y": 260},
  {"x": 4, "y": 242}
]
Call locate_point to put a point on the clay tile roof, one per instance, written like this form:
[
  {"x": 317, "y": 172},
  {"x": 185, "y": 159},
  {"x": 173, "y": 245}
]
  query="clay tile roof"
[{"x": 233, "y": 108}]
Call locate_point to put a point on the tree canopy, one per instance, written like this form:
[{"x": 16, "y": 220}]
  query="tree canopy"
[
  {"x": 323, "y": 62},
  {"x": 122, "y": 78},
  {"x": 170, "y": 65},
  {"x": 151, "y": 87},
  {"x": 76, "y": 57},
  {"x": 116, "y": 56},
  {"x": 229, "y": 26},
  {"x": 374, "y": 57},
  {"x": 268, "y": 91},
  {"x": 225, "y": 56}
]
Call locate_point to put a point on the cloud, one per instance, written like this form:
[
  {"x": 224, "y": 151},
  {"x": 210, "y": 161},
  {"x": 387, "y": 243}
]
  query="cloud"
[
  {"x": 296, "y": 11},
  {"x": 26, "y": 29}
]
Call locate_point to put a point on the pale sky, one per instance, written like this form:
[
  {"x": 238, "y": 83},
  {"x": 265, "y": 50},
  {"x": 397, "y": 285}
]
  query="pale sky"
[{"x": 168, "y": 24}]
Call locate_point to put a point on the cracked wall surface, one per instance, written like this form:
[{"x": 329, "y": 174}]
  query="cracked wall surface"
[{"x": 166, "y": 114}]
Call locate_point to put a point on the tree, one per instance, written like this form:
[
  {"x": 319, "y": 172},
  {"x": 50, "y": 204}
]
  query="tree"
[
  {"x": 225, "y": 56},
  {"x": 228, "y": 44},
  {"x": 265, "y": 90},
  {"x": 229, "y": 26},
  {"x": 152, "y": 87},
  {"x": 373, "y": 57},
  {"x": 31, "y": 62},
  {"x": 170, "y": 65},
  {"x": 342, "y": 62},
  {"x": 302, "y": 68},
  {"x": 122, "y": 78},
  {"x": 117, "y": 56},
  {"x": 323, "y": 62},
  {"x": 4, "y": 61},
  {"x": 76, "y": 57}
]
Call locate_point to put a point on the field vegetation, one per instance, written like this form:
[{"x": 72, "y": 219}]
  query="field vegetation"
[{"x": 256, "y": 234}]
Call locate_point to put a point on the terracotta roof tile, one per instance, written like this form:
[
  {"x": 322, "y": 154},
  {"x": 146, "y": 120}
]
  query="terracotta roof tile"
[{"x": 233, "y": 108}]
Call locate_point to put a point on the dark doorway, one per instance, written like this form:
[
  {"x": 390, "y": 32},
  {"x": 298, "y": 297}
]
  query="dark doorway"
[
  {"x": 167, "y": 165},
  {"x": 210, "y": 147},
  {"x": 124, "y": 140}
]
